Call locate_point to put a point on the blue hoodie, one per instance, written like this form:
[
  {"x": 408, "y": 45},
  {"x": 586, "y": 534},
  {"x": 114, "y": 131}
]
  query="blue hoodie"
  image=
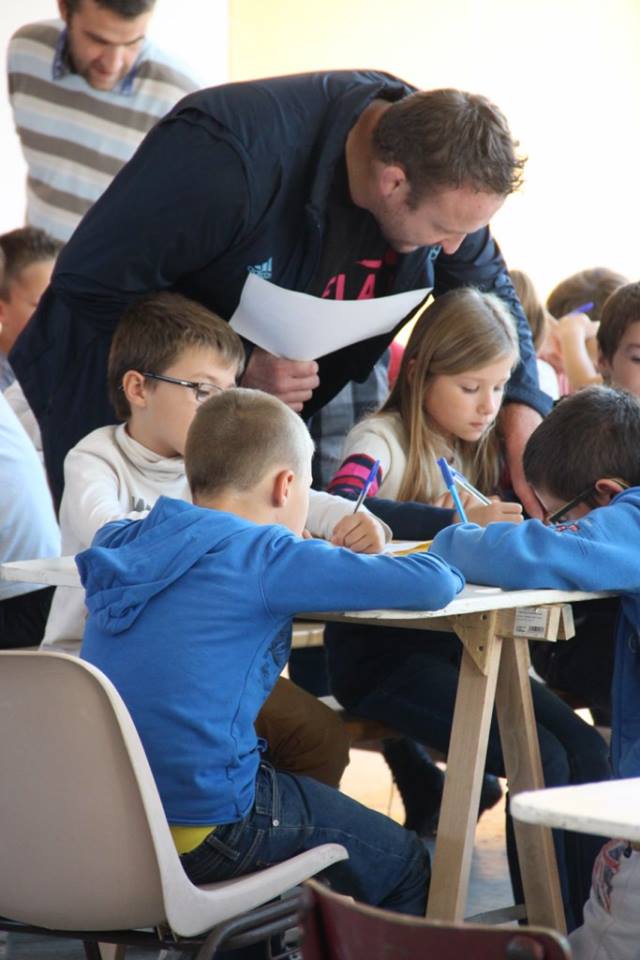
[
  {"x": 601, "y": 551},
  {"x": 190, "y": 617}
]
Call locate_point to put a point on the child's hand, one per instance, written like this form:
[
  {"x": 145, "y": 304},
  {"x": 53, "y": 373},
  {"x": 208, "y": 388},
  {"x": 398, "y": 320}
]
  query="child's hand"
[
  {"x": 445, "y": 500},
  {"x": 551, "y": 349},
  {"x": 577, "y": 324},
  {"x": 360, "y": 532},
  {"x": 497, "y": 510}
]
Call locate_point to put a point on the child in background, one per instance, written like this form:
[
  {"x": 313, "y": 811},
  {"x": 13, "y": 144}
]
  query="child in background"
[
  {"x": 445, "y": 402},
  {"x": 583, "y": 464},
  {"x": 576, "y": 303},
  {"x": 30, "y": 256},
  {"x": 216, "y": 585},
  {"x": 29, "y": 528},
  {"x": 167, "y": 356},
  {"x": 618, "y": 339},
  {"x": 550, "y": 373},
  {"x": 583, "y": 666},
  {"x": 593, "y": 286}
]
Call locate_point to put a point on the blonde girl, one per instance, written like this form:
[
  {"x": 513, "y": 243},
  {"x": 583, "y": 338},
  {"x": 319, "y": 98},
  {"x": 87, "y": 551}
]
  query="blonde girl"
[{"x": 444, "y": 404}]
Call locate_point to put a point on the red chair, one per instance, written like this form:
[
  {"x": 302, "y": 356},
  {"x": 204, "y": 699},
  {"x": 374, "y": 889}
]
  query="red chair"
[{"x": 336, "y": 928}]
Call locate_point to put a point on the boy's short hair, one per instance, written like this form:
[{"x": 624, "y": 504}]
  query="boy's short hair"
[
  {"x": 127, "y": 9},
  {"x": 448, "y": 139},
  {"x": 592, "y": 434},
  {"x": 586, "y": 286},
  {"x": 621, "y": 309},
  {"x": 154, "y": 331},
  {"x": 21, "y": 248},
  {"x": 237, "y": 436}
]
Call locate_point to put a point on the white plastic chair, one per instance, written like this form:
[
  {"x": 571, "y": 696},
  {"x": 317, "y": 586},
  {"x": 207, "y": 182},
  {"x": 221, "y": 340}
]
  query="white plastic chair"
[{"x": 84, "y": 841}]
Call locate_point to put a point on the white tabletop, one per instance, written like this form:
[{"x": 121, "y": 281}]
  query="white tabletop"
[
  {"x": 54, "y": 571},
  {"x": 609, "y": 809},
  {"x": 62, "y": 571}
]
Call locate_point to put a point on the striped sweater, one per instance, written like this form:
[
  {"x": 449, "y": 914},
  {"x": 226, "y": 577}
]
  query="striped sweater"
[{"x": 74, "y": 138}]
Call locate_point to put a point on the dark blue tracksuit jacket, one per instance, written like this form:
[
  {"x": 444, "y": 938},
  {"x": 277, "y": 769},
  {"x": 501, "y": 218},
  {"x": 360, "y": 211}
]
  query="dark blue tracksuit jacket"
[{"x": 235, "y": 178}]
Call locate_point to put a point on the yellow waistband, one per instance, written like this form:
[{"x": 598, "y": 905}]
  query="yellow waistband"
[{"x": 187, "y": 839}]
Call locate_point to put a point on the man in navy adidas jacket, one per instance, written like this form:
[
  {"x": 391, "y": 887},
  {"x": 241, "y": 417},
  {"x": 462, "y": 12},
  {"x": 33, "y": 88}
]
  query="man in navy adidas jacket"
[{"x": 343, "y": 184}]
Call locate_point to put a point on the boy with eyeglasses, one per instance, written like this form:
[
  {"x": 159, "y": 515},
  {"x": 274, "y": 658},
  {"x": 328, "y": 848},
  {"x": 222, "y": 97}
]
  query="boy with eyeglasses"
[
  {"x": 170, "y": 354},
  {"x": 583, "y": 462}
]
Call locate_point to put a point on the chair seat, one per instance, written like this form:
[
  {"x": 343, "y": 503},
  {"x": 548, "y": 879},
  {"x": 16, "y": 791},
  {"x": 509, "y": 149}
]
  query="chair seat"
[{"x": 84, "y": 841}]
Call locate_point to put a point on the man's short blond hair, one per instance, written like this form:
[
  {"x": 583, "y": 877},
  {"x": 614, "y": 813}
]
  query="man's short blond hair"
[{"x": 238, "y": 436}]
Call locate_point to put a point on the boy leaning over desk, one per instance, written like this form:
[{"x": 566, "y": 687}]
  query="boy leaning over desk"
[
  {"x": 190, "y": 617},
  {"x": 583, "y": 463}
]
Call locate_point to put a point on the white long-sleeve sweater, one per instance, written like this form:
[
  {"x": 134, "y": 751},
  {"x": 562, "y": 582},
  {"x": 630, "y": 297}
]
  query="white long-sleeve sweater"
[{"x": 110, "y": 476}]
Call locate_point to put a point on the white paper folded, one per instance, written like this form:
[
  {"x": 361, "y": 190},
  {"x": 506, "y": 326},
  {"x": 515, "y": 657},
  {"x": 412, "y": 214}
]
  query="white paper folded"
[{"x": 301, "y": 327}]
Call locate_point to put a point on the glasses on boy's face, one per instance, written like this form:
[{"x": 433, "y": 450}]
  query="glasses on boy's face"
[
  {"x": 202, "y": 391},
  {"x": 560, "y": 516}
]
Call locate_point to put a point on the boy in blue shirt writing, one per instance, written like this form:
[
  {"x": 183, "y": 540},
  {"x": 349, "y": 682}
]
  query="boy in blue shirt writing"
[
  {"x": 583, "y": 463},
  {"x": 190, "y": 616}
]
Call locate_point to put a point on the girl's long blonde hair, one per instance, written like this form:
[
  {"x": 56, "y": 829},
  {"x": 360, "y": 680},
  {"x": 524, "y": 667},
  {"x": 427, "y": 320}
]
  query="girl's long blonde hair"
[{"x": 462, "y": 330}]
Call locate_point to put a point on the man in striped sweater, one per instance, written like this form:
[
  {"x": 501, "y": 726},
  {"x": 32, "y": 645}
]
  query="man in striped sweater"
[{"x": 84, "y": 91}]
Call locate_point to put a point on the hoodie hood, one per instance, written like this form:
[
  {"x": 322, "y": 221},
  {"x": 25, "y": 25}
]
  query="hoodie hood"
[{"x": 130, "y": 562}]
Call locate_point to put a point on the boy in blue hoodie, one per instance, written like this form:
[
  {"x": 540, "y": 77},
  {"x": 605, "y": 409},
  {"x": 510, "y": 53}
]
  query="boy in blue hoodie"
[
  {"x": 190, "y": 616},
  {"x": 583, "y": 462}
]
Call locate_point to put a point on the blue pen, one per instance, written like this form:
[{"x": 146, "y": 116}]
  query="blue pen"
[
  {"x": 462, "y": 481},
  {"x": 450, "y": 483},
  {"x": 367, "y": 484},
  {"x": 583, "y": 308}
]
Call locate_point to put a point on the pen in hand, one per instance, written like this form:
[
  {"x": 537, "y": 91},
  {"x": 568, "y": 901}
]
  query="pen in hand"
[
  {"x": 365, "y": 490},
  {"x": 462, "y": 481},
  {"x": 583, "y": 308},
  {"x": 450, "y": 484}
]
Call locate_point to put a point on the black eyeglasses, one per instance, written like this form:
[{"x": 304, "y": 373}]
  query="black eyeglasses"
[
  {"x": 585, "y": 497},
  {"x": 202, "y": 391}
]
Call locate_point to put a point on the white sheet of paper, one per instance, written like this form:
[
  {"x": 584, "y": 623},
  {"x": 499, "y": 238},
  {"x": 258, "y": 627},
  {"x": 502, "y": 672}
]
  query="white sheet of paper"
[{"x": 301, "y": 327}]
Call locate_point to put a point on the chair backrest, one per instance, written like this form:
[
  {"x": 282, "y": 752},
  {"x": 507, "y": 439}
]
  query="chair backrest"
[
  {"x": 336, "y": 928},
  {"x": 80, "y": 816}
]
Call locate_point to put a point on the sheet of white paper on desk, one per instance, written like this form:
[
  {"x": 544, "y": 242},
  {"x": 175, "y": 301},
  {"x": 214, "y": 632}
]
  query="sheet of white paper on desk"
[{"x": 301, "y": 327}]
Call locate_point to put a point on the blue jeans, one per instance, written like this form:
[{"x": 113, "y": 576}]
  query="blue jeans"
[
  {"x": 408, "y": 679},
  {"x": 388, "y": 866}
]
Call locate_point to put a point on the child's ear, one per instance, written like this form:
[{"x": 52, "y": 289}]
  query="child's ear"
[
  {"x": 604, "y": 367},
  {"x": 282, "y": 487},
  {"x": 606, "y": 489},
  {"x": 134, "y": 387},
  {"x": 411, "y": 366}
]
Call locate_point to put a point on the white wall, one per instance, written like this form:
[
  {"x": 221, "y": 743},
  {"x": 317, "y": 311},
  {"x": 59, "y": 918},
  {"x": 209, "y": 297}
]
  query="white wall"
[
  {"x": 197, "y": 30},
  {"x": 565, "y": 72}
]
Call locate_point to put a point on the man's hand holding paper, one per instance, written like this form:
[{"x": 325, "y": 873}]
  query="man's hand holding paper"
[
  {"x": 284, "y": 324},
  {"x": 292, "y": 381}
]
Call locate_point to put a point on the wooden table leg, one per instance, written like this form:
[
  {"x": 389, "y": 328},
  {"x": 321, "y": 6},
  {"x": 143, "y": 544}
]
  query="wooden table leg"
[
  {"x": 521, "y": 751},
  {"x": 465, "y": 769}
]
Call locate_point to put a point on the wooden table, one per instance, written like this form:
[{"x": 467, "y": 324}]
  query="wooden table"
[
  {"x": 609, "y": 809},
  {"x": 494, "y": 626}
]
